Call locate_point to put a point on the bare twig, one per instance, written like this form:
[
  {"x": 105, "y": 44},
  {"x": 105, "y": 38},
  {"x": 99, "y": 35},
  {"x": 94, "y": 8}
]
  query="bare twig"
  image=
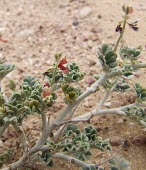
[
  {"x": 75, "y": 121},
  {"x": 73, "y": 160},
  {"x": 59, "y": 132},
  {"x": 119, "y": 110}
]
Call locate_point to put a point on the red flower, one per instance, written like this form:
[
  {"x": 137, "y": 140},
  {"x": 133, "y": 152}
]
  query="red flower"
[
  {"x": 63, "y": 61},
  {"x": 62, "y": 67}
]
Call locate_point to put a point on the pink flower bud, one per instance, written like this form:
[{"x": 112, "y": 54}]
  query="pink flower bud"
[{"x": 46, "y": 91}]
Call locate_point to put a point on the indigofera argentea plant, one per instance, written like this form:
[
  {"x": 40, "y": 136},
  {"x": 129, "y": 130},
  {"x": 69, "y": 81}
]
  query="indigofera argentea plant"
[{"x": 61, "y": 138}]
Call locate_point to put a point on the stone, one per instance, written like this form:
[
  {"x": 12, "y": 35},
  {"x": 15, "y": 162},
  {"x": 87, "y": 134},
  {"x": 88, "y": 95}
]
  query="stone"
[
  {"x": 107, "y": 104},
  {"x": 62, "y": 28},
  {"x": 116, "y": 141},
  {"x": 85, "y": 11},
  {"x": 95, "y": 38},
  {"x": 75, "y": 22},
  {"x": 86, "y": 36},
  {"x": 90, "y": 81},
  {"x": 92, "y": 63},
  {"x": 139, "y": 140},
  {"x": 131, "y": 124},
  {"x": 120, "y": 121},
  {"x": 90, "y": 44}
]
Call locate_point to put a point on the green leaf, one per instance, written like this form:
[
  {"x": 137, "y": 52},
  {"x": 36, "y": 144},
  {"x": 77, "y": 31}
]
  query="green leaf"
[
  {"x": 130, "y": 53},
  {"x": 12, "y": 85},
  {"x": 114, "y": 168},
  {"x": 100, "y": 168},
  {"x": 89, "y": 168},
  {"x": 118, "y": 163},
  {"x": 12, "y": 118},
  {"x": 6, "y": 119},
  {"x": 72, "y": 95},
  {"x": 5, "y": 69}
]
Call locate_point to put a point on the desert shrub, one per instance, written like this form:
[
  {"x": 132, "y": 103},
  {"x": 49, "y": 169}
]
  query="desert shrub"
[{"x": 62, "y": 138}]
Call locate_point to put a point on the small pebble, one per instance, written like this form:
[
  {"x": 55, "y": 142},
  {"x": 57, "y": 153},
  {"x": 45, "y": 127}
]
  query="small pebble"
[
  {"x": 116, "y": 141},
  {"x": 85, "y": 11},
  {"x": 120, "y": 121}
]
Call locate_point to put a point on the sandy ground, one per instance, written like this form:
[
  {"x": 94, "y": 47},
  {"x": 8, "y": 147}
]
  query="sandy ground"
[{"x": 37, "y": 29}]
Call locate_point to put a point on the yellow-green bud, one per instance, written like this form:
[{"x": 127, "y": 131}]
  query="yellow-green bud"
[
  {"x": 127, "y": 9},
  {"x": 58, "y": 56}
]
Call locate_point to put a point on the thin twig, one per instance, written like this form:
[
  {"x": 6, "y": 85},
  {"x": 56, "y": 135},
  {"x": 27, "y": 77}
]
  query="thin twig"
[
  {"x": 73, "y": 160},
  {"x": 105, "y": 161},
  {"x": 59, "y": 132},
  {"x": 120, "y": 110},
  {"x": 75, "y": 121}
]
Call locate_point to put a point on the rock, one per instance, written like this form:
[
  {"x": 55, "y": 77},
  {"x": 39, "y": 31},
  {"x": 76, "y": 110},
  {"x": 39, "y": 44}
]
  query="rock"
[
  {"x": 139, "y": 140},
  {"x": 91, "y": 63},
  {"x": 86, "y": 36},
  {"x": 62, "y": 28},
  {"x": 85, "y": 11},
  {"x": 90, "y": 44},
  {"x": 99, "y": 16},
  {"x": 98, "y": 129},
  {"x": 96, "y": 30},
  {"x": 120, "y": 121},
  {"x": 90, "y": 81},
  {"x": 40, "y": 27},
  {"x": 131, "y": 124},
  {"x": 75, "y": 22},
  {"x": 95, "y": 38},
  {"x": 107, "y": 104},
  {"x": 116, "y": 141}
]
